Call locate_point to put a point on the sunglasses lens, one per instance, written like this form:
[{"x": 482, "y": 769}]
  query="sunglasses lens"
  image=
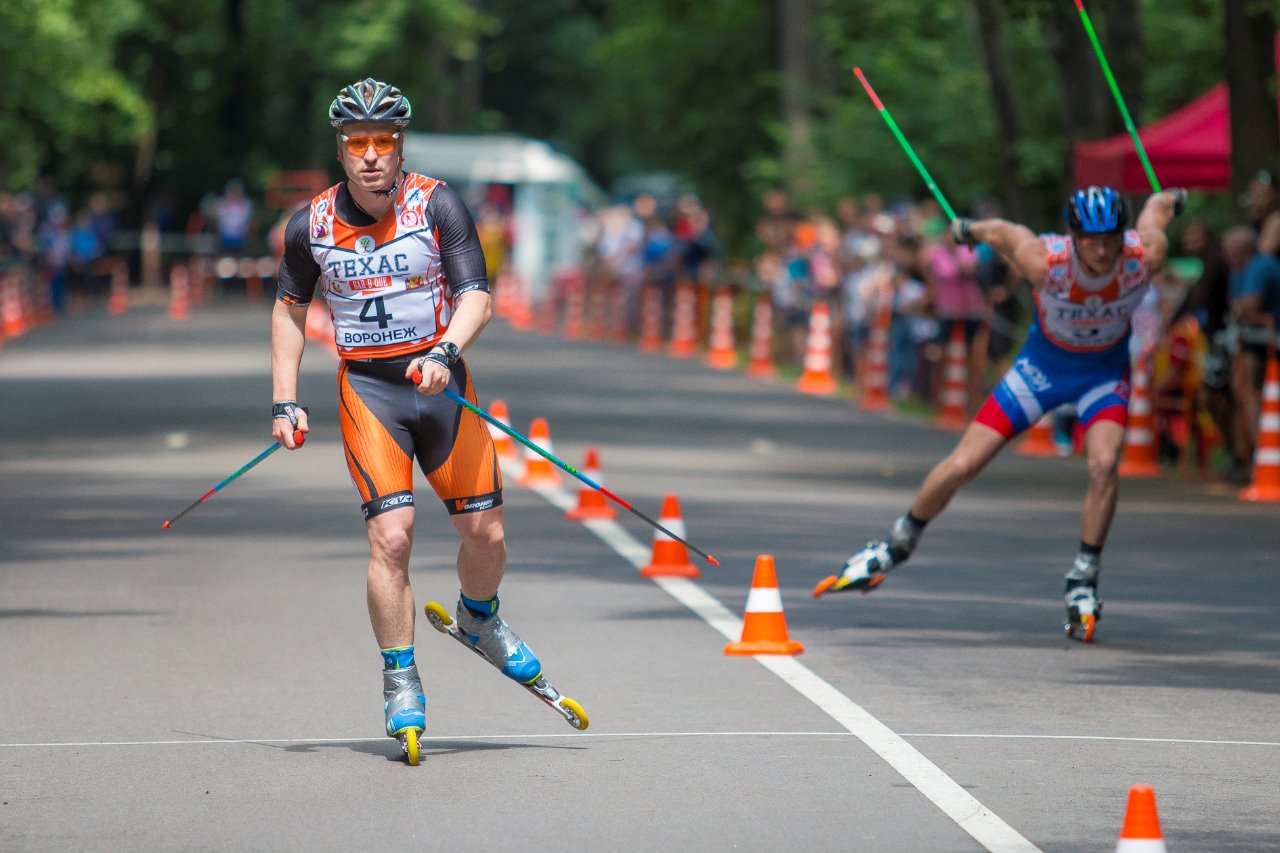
[{"x": 381, "y": 144}]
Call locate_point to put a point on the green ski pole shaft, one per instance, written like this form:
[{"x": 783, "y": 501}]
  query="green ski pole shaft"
[
  {"x": 1115, "y": 93},
  {"x": 906, "y": 146}
]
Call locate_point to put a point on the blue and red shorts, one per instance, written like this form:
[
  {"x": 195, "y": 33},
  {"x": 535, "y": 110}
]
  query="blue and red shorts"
[{"x": 1041, "y": 380}]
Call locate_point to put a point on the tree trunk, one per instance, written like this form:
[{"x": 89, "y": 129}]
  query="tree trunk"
[
  {"x": 234, "y": 69},
  {"x": 1255, "y": 131},
  {"x": 794, "y": 19},
  {"x": 471, "y": 81},
  {"x": 1084, "y": 94},
  {"x": 1122, "y": 43},
  {"x": 1008, "y": 124}
]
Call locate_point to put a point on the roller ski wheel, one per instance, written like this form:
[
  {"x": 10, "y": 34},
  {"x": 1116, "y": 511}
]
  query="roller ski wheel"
[
  {"x": 443, "y": 621},
  {"x": 863, "y": 572},
  {"x": 405, "y": 707},
  {"x": 1084, "y": 628},
  {"x": 1084, "y": 609},
  {"x": 409, "y": 743}
]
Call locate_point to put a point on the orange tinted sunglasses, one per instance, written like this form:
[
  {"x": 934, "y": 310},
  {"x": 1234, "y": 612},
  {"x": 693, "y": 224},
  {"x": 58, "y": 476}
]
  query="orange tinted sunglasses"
[{"x": 383, "y": 143}]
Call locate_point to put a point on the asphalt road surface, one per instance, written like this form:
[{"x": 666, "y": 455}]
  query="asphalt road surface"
[{"x": 216, "y": 686}]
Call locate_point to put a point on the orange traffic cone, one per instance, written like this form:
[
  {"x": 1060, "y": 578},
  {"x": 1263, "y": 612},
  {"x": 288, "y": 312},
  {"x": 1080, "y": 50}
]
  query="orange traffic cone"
[
  {"x": 575, "y": 307},
  {"x": 670, "y": 558},
  {"x": 1039, "y": 439},
  {"x": 247, "y": 270},
  {"x": 27, "y": 294},
  {"x": 761, "y": 364},
  {"x": 179, "y": 293},
  {"x": 502, "y": 443},
  {"x": 591, "y": 503},
  {"x": 1266, "y": 458},
  {"x": 1141, "y": 830},
  {"x": 817, "y": 377},
  {"x": 503, "y": 296},
  {"x": 651, "y": 319},
  {"x": 118, "y": 299},
  {"x": 955, "y": 383},
  {"x": 538, "y": 470},
  {"x": 684, "y": 323},
  {"x": 1140, "y": 439},
  {"x": 199, "y": 274},
  {"x": 620, "y": 304},
  {"x": 545, "y": 314},
  {"x": 599, "y": 298},
  {"x": 875, "y": 366},
  {"x": 520, "y": 306},
  {"x": 764, "y": 626},
  {"x": 10, "y": 307},
  {"x": 722, "y": 355}
]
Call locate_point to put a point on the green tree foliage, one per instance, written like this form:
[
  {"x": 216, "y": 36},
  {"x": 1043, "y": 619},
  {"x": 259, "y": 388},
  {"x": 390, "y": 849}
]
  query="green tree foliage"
[
  {"x": 688, "y": 89},
  {"x": 182, "y": 97},
  {"x": 67, "y": 104}
]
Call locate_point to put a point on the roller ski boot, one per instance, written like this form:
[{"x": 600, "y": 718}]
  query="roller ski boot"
[
  {"x": 1084, "y": 607},
  {"x": 866, "y": 570},
  {"x": 405, "y": 707},
  {"x": 492, "y": 639}
]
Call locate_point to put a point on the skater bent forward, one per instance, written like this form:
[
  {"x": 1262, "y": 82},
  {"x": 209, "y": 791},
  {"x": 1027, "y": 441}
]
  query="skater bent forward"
[{"x": 1087, "y": 283}]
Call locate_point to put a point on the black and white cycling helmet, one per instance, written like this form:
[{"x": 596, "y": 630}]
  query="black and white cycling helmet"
[{"x": 370, "y": 100}]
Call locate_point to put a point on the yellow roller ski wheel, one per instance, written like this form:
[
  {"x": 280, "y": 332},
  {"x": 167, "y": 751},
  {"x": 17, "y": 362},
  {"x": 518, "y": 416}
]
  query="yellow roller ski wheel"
[
  {"x": 579, "y": 721},
  {"x": 411, "y": 746},
  {"x": 437, "y": 615}
]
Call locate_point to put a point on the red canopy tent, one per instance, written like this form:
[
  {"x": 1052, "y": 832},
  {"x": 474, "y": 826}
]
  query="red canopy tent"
[{"x": 1190, "y": 147}]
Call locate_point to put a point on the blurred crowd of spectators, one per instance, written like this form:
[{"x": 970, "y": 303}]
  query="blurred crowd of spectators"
[
  {"x": 643, "y": 243},
  {"x": 43, "y": 235},
  {"x": 1232, "y": 310},
  {"x": 868, "y": 255},
  {"x": 1205, "y": 329}
]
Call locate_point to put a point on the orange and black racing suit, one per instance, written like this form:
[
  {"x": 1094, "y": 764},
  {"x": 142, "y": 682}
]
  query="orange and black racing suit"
[{"x": 390, "y": 285}]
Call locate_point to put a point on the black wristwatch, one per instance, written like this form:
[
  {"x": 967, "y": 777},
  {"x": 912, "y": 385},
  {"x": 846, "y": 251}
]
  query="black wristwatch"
[{"x": 451, "y": 352}]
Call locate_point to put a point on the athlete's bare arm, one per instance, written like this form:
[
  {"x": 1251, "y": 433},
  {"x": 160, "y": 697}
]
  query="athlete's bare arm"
[
  {"x": 288, "y": 323},
  {"x": 295, "y": 287},
  {"x": 1155, "y": 217},
  {"x": 1016, "y": 242}
]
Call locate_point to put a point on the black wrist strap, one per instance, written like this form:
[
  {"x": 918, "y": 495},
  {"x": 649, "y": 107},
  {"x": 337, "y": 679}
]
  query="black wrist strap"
[
  {"x": 438, "y": 357},
  {"x": 288, "y": 409}
]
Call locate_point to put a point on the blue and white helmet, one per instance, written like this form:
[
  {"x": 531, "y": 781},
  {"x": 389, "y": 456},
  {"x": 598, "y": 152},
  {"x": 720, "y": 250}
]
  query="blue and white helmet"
[
  {"x": 370, "y": 100},
  {"x": 1096, "y": 210}
]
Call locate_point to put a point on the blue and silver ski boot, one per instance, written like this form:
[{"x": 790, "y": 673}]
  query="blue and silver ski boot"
[{"x": 497, "y": 643}]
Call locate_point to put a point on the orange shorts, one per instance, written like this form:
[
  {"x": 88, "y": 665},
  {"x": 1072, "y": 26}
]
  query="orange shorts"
[{"x": 386, "y": 423}]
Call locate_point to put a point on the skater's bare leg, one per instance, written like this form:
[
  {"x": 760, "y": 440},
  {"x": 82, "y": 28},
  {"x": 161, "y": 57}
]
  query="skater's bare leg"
[
  {"x": 391, "y": 614},
  {"x": 482, "y": 556},
  {"x": 865, "y": 570},
  {"x": 977, "y": 447},
  {"x": 1102, "y": 443},
  {"x": 389, "y": 595}
]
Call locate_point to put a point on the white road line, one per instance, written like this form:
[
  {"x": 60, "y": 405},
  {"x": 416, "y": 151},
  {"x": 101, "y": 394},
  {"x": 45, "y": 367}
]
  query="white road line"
[
  {"x": 1192, "y": 741},
  {"x": 637, "y": 735},
  {"x": 943, "y": 791}
]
